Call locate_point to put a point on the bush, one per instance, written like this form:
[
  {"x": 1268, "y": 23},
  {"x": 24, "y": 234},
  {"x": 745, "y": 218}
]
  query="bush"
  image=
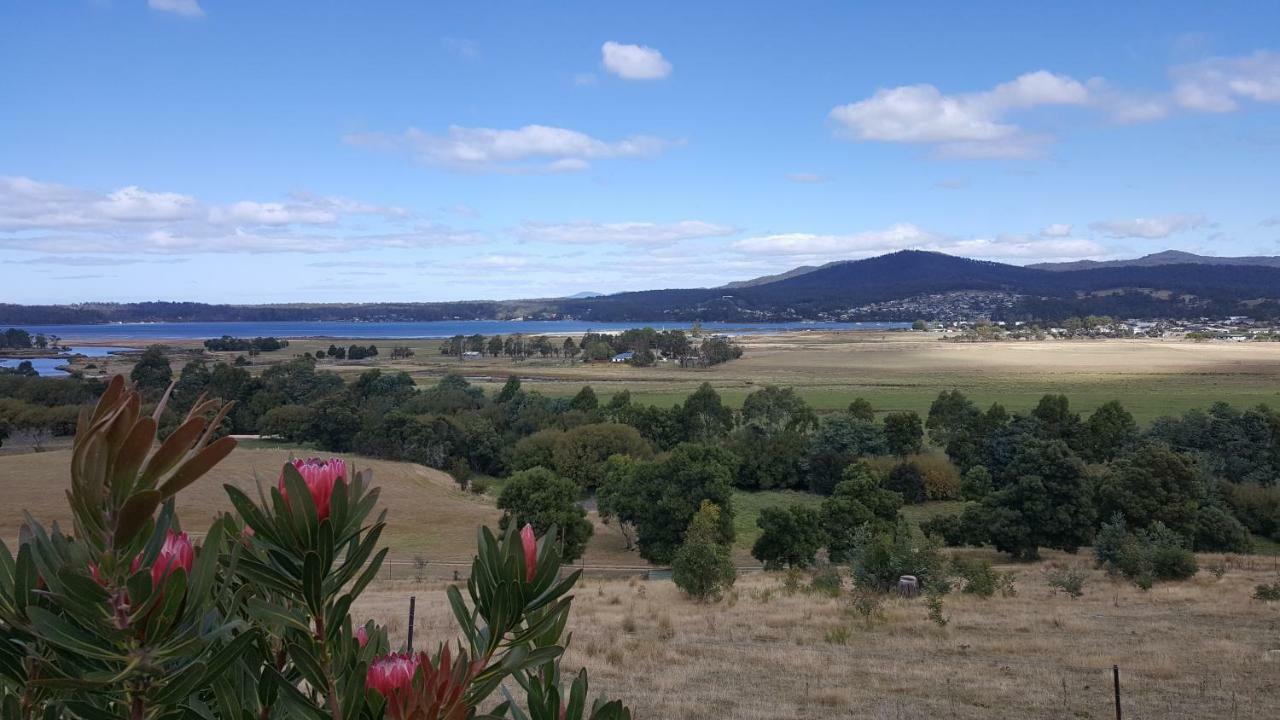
[
  {"x": 907, "y": 480},
  {"x": 702, "y": 567},
  {"x": 1267, "y": 593},
  {"x": 546, "y": 501},
  {"x": 976, "y": 483},
  {"x": 880, "y": 558},
  {"x": 826, "y": 582},
  {"x": 1155, "y": 553},
  {"x": 981, "y": 579},
  {"x": 1109, "y": 540},
  {"x": 460, "y": 471},
  {"x": 789, "y": 537},
  {"x": 1066, "y": 579},
  {"x": 1217, "y": 531}
]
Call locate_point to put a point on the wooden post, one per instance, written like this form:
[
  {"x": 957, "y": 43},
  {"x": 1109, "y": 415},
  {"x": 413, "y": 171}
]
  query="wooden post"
[
  {"x": 413, "y": 601},
  {"x": 1115, "y": 678}
]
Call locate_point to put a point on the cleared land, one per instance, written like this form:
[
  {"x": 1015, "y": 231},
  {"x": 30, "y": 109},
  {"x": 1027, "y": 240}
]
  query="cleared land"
[
  {"x": 895, "y": 371},
  {"x": 1196, "y": 649}
]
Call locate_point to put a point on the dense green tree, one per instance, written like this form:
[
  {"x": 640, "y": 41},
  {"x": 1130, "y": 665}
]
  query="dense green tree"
[
  {"x": 840, "y": 440},
  {"x": 703, "y": 417},
  {"x": 776, "y": 410},
  {"x": 907, "y": 480},
  {"x": 880, "y": 557},
  {"x": 579, "y": 453},
  {"x": 858, "y": 501},
  {"x": 1041, "y": 500},
  {"x": 903, "y": 433},
  {"x": 975, "y": 484},
  {"x": 702, "y": 566},
  {"x": 951, "y": 415},
  {"x": 510, "y": 390},
  {"x": 769, "y": 461},
  {"x": 659, "y": 498},
  {"x": 1108, "y": 432},
  {"x": 333, "y": 424},
  {"x": 291, "y": 423},
  {"x": 152, "y": 374},
  {"x": 860, "y": 409},
  {"x": 1056, "y": 421},
  {"x": 585, "y": 400},
  {"x": 789, "y": 537},
  {"x": 1153, "y": 483},
  {"x": 549, "y": 502}
]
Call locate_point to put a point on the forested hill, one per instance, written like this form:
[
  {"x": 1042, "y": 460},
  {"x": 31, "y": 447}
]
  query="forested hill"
[
  {"x": 1187, "y": 290},
  {"x": 900, "y": 286}
]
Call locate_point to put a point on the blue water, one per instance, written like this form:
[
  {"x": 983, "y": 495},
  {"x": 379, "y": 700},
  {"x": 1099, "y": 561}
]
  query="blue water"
[
  {"x": 48, "y": 367},
  {"x": 392, "y": 330}
]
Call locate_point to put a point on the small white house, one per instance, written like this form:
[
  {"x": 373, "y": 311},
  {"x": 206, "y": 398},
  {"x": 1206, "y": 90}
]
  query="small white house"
[{"x": 622, "y": 357}]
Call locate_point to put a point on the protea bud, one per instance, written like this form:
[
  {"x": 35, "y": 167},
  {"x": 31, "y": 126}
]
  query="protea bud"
[
  {"x": 176, "y": 552},
  {"x": 418, "y": 689},
  {"x": 320, "y": 476},
  {"x": 391, "y": 676},
  {"x": 362, "y": 636},
  {"x": 530, "y": 544}
]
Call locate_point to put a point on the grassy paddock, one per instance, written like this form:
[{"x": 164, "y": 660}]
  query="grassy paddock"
[{"x": 1194, "y": 649}]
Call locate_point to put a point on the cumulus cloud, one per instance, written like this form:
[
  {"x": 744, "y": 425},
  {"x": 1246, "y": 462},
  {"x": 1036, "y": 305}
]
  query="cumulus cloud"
[
  {"x": 1219, "y": 84},
  {"x": 532, "y": 148},
  {"x": 56, "y": 219},
  {"x": 634, "y": 62},
  {"x": 186, "y": 8},
  {"x": 808, "y": 247},
  {"x": 623, "y": 233},
  {"x": 1151, "y": 228},
  {"x": 966, "y": 124},
  {"x": 1056, "y": 230}
]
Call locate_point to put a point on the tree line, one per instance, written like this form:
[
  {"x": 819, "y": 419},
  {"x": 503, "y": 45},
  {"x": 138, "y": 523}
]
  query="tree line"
[{"x": 646, "y": 346}]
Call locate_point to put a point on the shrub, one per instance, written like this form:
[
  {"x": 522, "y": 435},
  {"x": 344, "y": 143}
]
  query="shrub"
[
  {"x": 826, "y": 582},
  {"x": 1109, "y": 540},
  {"x": 1267, "y": 593},
  {"x": 1155, "y": 553},
  {"x": 789, "y": 537},
  {"x": 478, "y": 486},
  {"x": 1066, "y": 579},
  {"x": 907, "y": 480},
  {"x": 976, "y": 483},
  {"x": 933, "y": 601},
  {"x": 540, "y": 498},
  {"x": 981, "y": 579},
  {"x": 702, "y": 567},
  {"x": 460, "y": 471},
  {"x": 1217, "y": 531},
  {"x": 838, "y": 635},
  {"x": 880, "y": 558}
]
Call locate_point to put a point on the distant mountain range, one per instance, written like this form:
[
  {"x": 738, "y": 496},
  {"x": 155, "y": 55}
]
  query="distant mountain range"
[
  {"x": 905, "y": 285},
  {"x": 1168, "y": 257}
]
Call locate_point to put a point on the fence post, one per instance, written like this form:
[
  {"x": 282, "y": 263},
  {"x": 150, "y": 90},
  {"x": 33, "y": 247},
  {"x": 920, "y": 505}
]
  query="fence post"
[
  {"x": 1115, "y": 678},
  {"x": 413, "y": 600}
]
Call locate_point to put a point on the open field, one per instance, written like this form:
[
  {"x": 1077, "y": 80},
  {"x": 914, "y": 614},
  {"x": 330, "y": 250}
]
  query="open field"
[
  {"x": 894, "y": 370},
  {"x": 1197, "y": 649}
]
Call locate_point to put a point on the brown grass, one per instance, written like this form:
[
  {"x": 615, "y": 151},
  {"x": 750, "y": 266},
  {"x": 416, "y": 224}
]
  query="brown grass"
[{"x": 1187, "y": 650}]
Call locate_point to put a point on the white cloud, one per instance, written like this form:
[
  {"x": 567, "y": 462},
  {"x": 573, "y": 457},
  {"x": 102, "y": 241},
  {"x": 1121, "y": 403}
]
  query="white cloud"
[
  {"x": 634, "y": 62},
  {"x": 815, "y": 248},
  {"x": 804, "y": 177},
  {"x": 52, "y": 218},
  {"x": 186, "y": 8},
  {"x": 1056, "y": 230},
  {"x": 624, "y": 233},
  {"x": 532, "y": 148},
  {"x": 462, "y": 47},
  {"x": 1218, "y": 84},
  {"x": 967, "y": 124},
  {"x": 1151, "y": 228},
  {"x": 1272, "y": 221}
]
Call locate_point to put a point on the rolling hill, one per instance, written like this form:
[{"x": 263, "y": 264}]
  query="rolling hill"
[{"x": 1168, "y": 257}]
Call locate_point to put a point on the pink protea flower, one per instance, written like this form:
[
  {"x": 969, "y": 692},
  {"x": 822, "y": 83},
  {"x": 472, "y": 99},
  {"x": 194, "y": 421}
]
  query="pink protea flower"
[
  {"x": 417, "y": 688},
  {"x": 362, "y": 636},
  {"x": 391, "y": 676},
  {"x": 320, "y": 477},
  {"x": 530, "y": 544},
  {"x": 177, "y": 552}
]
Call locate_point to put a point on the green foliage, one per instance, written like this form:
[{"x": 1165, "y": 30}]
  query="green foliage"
[
  {"x": 980, "y": 578},
  {"x": 1108, "y": 432},
  {"x": 861, "y": 409},
  {"x": 702, "y": 567},
  {"x": 775, "y": 410},
  {"x": 549, "y": 503},
  {"x": 703, "y": 417},
  {"x": 858, "y": 501},
  {"x": 152, "y": 374},
  {"x": 903, "y": 433},
  {"x": 975, "y": 484},
  {"x": 1109, "y": 540},
  {"x": 826, "y": 581},
  {"x": 1267, "y": 592},
  {"x": 907, "y": 480},
  {"x": 880, "y": 558},
  {"x": 660, "y": 497},
  {"x": 789, "y": 537},
  {"x": 840, "y": 440},
  {"x": 1069, "y": 580},
  {"x": 950, "y": 415},
  {"x": 933, "y": 601},
  {"x": 1155, "y": 553}
]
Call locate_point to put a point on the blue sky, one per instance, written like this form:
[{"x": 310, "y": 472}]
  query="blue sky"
[{"x": 334, "y": 151}]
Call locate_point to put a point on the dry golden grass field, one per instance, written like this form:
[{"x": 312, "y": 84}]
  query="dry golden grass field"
[
  {"x": 894, "y": 370},
  {"x": 1196, "y": 649}
]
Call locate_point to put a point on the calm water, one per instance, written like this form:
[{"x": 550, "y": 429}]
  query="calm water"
[
  {"x": 48, "y": 367},
  {"x": 390, "y": 330}
]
